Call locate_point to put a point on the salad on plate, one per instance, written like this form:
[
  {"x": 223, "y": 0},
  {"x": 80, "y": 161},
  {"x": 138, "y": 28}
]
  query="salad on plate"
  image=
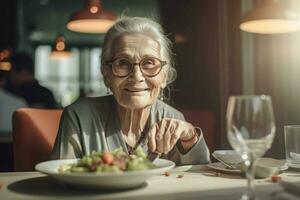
[{"x": 116, "y": 161}]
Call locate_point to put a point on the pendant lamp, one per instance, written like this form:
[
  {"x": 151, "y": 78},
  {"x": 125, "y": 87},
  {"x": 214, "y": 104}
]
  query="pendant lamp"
[
  {"x": 5, "y": 65},
  {"x": 270, "y": 17},
  {"x": 59, "y": 50},
  {"x": 92, "y": 19}
]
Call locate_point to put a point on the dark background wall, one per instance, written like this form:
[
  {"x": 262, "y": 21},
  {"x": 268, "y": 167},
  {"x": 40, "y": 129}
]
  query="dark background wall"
[
  {"x": 8, "y": 33},
  {"x": 197, "y": 85},
  {"x": 208, "y": 56}
]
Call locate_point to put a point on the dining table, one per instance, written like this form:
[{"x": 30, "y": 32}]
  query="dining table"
[{"x": 183, "y": 182}]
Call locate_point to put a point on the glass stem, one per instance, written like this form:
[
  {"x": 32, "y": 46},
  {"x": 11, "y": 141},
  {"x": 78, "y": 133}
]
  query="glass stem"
[{"x": 250, "y": 167}]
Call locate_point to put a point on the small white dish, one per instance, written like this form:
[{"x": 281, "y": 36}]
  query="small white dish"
[
  {"x": 271, "y": 162},
  {"x": 123, "y": 180}
]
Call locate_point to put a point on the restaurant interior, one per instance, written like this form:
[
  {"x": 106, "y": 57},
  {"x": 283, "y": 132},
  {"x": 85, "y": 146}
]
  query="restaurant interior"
[{"x": 214, "y": 55}]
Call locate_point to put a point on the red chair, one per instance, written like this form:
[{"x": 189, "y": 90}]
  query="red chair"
[
  {"x": 206, "y": 120},
  {"x": 34, "y": 133}
]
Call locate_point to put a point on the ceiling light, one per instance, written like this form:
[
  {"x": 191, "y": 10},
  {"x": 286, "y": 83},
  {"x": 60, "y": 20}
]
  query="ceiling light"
[
  {"x": 92, "y": 19},
  {"x": 59, "y": 50},
  {"x": 270, "y": 17},
  {"x": 5, "y": 65}
]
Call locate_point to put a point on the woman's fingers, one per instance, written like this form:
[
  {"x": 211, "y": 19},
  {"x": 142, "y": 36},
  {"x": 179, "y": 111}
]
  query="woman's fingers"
[
  {"x": 173, "y": 140},
  {"x": 151, "y": 138},
  {"x": 166, "y": 147},
  {"x": 160, "y": 136},
  {"x": 170, "y": 130},
  {"x": 164, "y": 135}
]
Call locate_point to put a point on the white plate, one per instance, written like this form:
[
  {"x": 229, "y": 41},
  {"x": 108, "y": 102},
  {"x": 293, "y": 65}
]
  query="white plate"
[
  {"x": 105, "y": 180},
  {"x": 262, "y": 162}
]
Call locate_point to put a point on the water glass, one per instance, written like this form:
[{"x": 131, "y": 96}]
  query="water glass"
[
  {"x": 250, "y": 131},
  {"x": 292, "y": 145}
]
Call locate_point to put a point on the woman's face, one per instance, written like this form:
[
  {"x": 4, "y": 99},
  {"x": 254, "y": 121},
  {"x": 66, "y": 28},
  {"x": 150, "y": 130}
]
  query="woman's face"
[{"x": 136, "y": 90}]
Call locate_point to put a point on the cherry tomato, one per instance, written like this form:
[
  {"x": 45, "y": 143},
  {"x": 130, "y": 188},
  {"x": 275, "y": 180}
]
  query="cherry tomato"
[{"x": 107, "y": 158}]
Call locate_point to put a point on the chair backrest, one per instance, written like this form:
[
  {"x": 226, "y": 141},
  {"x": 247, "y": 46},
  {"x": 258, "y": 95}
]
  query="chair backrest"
[
  {"x": 206, "y": 120},
  {"x": 34, "y": 133}
]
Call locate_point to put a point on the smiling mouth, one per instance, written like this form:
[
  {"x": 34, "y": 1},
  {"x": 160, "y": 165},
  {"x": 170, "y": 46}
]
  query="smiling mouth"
[{"x": 136, "y": 90}]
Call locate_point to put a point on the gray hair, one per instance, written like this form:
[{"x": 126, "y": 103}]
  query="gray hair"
[{"x": 143, "y": 26}]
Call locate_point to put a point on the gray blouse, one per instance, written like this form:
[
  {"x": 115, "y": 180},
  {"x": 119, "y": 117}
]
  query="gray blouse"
[{"x": 93, "y": 124}]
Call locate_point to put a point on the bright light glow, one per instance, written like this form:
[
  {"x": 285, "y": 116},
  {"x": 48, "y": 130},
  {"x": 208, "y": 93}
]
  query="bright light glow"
[
  {"x": 245, "y": 156},
  {"x": 5, "y": 66},
  {"x": 90, "y": 25},
  {"x": 270, "y": 26},
  {"x": 60, "y": 55},
  {"x": 60, "y": 46},
  {"x": 94, "y": 9}
]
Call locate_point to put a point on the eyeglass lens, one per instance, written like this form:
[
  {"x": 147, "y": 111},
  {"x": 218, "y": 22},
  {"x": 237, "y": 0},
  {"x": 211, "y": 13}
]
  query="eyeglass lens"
[{"x": 148, "y": 66}]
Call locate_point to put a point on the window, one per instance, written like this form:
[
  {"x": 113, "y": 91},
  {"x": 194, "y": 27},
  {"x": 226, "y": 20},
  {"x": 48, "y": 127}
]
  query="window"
[{"x": 68, "y": 79}]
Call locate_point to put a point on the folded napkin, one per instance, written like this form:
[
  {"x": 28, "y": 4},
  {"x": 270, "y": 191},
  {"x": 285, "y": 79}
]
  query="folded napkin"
[
  {"x": 291, "y": 191},
  {"x": 228, "y": 156},
  {"x": 266, "y": 167}
]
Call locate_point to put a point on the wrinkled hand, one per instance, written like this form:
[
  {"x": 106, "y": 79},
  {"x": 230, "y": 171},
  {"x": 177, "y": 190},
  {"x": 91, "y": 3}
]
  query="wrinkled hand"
[{"x": 163, "y": 135}]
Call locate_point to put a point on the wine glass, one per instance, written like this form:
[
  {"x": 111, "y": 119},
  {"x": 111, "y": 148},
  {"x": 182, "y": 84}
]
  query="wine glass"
[{"x": 250, "y": 131}]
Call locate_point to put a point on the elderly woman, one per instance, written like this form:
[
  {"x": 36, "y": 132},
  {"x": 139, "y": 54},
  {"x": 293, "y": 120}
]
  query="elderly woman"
[{"x": 136, "y": 66}]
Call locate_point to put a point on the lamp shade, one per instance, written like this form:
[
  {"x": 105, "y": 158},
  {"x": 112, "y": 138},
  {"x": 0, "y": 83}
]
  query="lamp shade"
[
  {"x": 59, "y": 50},
  {"x": 270, "y": 18},
  {"x": 92, "y": 19}
]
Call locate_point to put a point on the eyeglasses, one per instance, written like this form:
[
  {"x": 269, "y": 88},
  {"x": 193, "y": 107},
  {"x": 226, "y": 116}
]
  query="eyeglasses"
[{"x": 149, "y": 66}]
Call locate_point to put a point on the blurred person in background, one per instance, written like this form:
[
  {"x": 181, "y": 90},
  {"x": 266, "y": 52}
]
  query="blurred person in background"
[
  {"x": 8, "y": 104},
  {"x": 23, "y": 83}
]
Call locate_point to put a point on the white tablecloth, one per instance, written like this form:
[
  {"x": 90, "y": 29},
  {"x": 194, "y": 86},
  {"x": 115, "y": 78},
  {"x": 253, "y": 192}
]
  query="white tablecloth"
[{"x": 198, "y": 183}]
